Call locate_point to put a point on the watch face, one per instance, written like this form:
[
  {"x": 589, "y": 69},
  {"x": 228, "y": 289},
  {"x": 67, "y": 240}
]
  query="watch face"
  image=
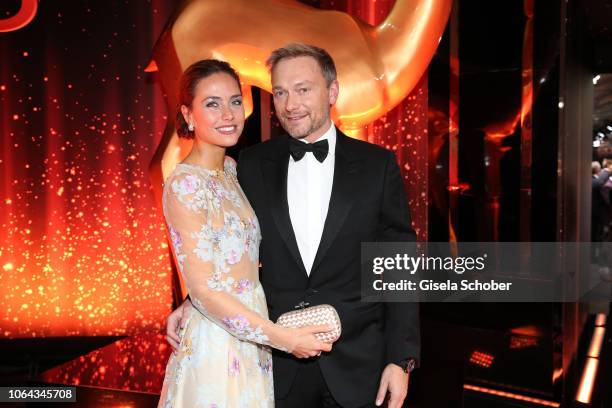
[{"x": 410, "y": 365}]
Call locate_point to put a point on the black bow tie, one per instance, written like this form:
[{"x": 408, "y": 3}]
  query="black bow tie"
[{"x": 298, "y": 149}]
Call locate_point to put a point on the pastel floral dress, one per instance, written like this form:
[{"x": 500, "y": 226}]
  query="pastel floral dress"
[{"x": 224, "y": 360}]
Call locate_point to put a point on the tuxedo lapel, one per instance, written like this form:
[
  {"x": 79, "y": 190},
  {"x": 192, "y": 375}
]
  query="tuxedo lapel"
[
  {"x": 346, "y": 176},
  {"x": 274, "y": 171}
]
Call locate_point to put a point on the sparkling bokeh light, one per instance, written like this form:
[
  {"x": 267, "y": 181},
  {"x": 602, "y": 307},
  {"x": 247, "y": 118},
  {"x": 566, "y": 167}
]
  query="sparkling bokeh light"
[
  {"x": 402, "y": 130},
  {"x": 82, "y": 244},
  {"x": 137, "y": 363}
]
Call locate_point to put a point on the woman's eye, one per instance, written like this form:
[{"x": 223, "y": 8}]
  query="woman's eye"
[
  {"x": 303, "y": 90},
  {"x": 237, "y": 102},
  {"x": 212, "y": 104},
  {"x": 278, "y": 93}
]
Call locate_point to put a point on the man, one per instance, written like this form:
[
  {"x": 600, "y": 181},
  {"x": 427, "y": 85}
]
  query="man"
[
  {"x": 318, "y": 195},
  {"x": 600, "y": 206},
  {"x": 606, "y": 188}
]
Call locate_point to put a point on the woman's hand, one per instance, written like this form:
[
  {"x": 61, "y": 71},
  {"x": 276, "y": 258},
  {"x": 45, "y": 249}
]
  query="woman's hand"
[{"x": 302, "y": 342}]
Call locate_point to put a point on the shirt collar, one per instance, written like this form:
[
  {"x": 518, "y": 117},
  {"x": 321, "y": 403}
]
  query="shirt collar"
[{"x": 330, "y": 136}]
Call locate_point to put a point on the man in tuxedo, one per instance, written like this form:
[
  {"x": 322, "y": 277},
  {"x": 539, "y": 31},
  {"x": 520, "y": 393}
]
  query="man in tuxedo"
[{"x": 318, "y": 195}]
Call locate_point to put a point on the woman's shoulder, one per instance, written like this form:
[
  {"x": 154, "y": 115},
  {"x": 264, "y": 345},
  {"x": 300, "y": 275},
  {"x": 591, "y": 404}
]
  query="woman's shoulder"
[
  {"x": 229, "y": 165},
  {"x": 184, "y": 179}
]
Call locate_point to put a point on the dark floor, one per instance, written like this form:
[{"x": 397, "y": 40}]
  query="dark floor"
[{"x": 438, "y": 384}]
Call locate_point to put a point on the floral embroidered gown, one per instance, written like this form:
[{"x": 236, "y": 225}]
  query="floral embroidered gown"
[{"x": 223, "y": 360}]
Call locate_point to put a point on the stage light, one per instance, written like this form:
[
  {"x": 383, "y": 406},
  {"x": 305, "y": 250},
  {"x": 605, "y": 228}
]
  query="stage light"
[
  {"x": 596, "y": 143},
  {"x": 596, "y": 342},
  {"x": 521, "y": 342},
  {"x": 561, "y": 105},
  {"x": 589, "y": 374},
  {"x": 557, "y": 374},
  {"x": 609, "y": 128},
  {"x": 587, "y": 381},
  {"x": 596, "y": 79},
  {"x": 511, "y": 395},
  {"x": 482, "y": 359}
]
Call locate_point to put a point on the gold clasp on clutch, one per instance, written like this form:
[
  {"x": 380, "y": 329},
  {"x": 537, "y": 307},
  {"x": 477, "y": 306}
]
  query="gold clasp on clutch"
[{"x": 301, "y": 305}]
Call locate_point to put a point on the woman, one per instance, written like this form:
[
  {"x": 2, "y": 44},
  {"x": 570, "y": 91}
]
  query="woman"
[{"x": 223, "y": 358}]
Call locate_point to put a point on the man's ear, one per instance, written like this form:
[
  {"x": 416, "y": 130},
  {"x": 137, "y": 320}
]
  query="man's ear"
[{"x": 334, "y": 88}]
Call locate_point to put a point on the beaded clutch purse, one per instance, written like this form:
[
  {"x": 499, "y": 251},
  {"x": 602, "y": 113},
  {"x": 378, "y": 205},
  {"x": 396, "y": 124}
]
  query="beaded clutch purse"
[{"x": 315, "y": 315}]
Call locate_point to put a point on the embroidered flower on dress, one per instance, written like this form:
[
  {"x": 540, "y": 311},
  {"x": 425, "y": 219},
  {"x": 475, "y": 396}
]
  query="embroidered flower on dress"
[
  {"x": 204, "y": 248},
  {"x": 188, "y": 190},
  {"x": 233, "y": 222},
  {"x": 237, "y": 324},
  {"x": 189, "y": 185},
  {"x": 177, "y": 244},
  {"x": 252, "y": 239},
  {"x": 234, "y": 368},
  {"x": 218, "y": 284},
  {"x": 230, "y": 166},
  {"x": 244, "y": 285},
  {"x": 215, "y": 188},
  {"x": 233, "y": 257},
  {"x": 175, "y": 238},
  {"x": 225, "y": 246},
  {"x": 266, "y": 366},
  {"x": 214, "y": 192},
  {"x": 240, "y": 326},
  {"x": 231, "y": 248}
]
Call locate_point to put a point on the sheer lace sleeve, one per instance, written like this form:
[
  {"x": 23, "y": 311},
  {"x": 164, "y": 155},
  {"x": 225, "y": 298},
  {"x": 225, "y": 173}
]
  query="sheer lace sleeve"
[{"x": 211, "y": 248}]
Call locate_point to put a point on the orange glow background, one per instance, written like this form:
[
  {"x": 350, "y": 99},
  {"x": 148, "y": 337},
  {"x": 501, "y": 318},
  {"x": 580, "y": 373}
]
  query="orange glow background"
[
  {"x": 82, "y": 247},
  {"x": 403, "y": 129}
]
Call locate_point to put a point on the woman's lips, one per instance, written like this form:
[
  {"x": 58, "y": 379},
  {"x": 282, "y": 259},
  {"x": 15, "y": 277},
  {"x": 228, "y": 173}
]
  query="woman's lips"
[{"x": 227, "y": 130}]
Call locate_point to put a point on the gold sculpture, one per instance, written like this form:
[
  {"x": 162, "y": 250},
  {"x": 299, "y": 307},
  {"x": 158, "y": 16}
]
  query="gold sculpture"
[{"x": 377, "y": 66}]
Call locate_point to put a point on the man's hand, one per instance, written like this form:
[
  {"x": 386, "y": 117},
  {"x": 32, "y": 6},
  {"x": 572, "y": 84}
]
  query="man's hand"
[
  {"x": 176, "y": 323},
  {"x": 395, "y": 381}
]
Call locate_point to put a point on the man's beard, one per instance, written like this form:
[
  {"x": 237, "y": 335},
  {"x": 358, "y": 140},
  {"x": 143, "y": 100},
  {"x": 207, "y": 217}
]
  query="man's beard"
[{"x": 297, "y": 134}]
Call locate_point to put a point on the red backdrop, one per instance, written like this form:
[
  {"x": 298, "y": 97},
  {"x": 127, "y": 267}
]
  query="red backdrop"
[
  {"x": 404, "y": 128},
  {"x": 82, "y": 248},
  {"x": 82, "y": 245}
]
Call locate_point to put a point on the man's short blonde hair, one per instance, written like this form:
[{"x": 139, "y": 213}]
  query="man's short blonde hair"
[{"x": 294, "y": 50}]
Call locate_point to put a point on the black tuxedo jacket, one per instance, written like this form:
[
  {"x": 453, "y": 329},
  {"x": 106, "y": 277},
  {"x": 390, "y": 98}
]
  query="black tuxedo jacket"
[{"x": 368, "y": 203}]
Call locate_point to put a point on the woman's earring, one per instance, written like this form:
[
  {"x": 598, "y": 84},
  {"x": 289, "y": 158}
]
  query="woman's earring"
[{"x": 190, "y": 127}]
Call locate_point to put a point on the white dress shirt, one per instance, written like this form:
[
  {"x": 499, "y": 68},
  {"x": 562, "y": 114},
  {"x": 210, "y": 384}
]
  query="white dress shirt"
[{"x": 309, "y": 186}]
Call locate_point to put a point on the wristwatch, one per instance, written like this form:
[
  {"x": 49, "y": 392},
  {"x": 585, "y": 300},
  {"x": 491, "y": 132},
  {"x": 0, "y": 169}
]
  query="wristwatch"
[{"x": 407, "y": 365}]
